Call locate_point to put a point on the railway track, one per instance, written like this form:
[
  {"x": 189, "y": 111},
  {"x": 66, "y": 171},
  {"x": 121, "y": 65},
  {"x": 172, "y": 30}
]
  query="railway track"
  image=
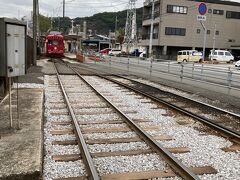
[
  {"x": 111, "y": 119},
  {"x": 226, "y": 122},
  {"x": 112, "y": 135}
]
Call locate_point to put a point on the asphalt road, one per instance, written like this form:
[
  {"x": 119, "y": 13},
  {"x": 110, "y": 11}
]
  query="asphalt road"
[
  {"x": 222, "y": 74},
  {"x": 223, "y": 78}
]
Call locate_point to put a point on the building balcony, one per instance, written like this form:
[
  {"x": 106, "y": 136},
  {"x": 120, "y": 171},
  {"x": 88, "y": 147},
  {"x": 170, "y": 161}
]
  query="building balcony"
[
  {"x": 149, "y": 16},
  {"x": 146, "y": 16},
  {"x": 147, "y": 22},
  {"x": 147, "y": 36}
]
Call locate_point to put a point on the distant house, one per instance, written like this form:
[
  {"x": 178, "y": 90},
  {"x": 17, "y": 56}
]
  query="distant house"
[{"x": 98, "y": 42}]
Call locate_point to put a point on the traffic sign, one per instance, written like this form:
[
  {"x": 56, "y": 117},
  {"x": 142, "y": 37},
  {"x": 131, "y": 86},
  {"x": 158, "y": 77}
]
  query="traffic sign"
[
  {"x": 202, "y": 9},
  {"x": 201, "y": 18}
]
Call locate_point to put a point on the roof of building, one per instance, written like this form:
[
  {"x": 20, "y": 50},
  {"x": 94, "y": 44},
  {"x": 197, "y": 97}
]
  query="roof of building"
[
  {"x": 94, "y": 41},
  {"x": 104, "y": 37},
  {"x": 231, "y": 3},
  {"x": 13, "y": 21}
]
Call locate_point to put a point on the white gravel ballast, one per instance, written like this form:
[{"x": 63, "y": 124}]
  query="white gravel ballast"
[
  {"x": 115, "y": 164},
  {"x": 51, "y": 168},
  {"x": 206, "y": 150}
]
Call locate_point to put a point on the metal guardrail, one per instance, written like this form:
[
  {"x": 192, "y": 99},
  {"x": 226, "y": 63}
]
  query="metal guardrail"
[{"x": 224, "y": 77}]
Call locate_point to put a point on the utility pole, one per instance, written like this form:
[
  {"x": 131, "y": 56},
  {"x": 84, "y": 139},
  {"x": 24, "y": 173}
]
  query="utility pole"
[
  {"x": 34, "y": 32},
  {"x": 59, "y": 24},
  {"x": 116, "y": 26},
  {"x": 63, "y": 16},
  {"x": 205, "y": 39},
  {"x": 214, "y": 41},
  {"x": 151, "y": 31},
  {"x": 38, "y": 29},
  {"x": 52, "y": 19}
]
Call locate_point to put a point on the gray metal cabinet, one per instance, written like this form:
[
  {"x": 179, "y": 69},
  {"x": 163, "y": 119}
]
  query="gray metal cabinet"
[{"x": 12, "y": 48}]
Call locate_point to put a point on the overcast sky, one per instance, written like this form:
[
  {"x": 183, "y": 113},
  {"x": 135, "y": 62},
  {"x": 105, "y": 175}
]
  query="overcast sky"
[{"x": 74, "y": 8}]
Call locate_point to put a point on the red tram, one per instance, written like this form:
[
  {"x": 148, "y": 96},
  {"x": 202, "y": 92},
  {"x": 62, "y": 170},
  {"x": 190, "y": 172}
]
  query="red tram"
[{"x": 55, "y": 44}]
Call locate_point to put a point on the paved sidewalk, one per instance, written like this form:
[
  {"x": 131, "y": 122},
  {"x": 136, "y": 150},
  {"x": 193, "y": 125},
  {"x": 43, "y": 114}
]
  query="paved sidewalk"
[{"x": 21, "y": 150}]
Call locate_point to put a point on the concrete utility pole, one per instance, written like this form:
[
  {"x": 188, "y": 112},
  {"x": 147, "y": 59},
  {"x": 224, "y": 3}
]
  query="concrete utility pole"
[
  {"x": 63, "y": 16},
  {"x": 37, "y": 14},
  {"x": 34, "y": 32},
  {"x": 38, "y": 28},
  {"x": 214, "y": 40},
  {"x": 85, "y": 30},
  {"x": 59, "y": 24},
  {"x": 116, "y": 26},
  {"x": 205, "y": 39},
  {"x": 151, "y": 31}
]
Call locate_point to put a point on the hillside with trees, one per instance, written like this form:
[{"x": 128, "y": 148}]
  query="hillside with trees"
[{"x": 100, "y": 23}]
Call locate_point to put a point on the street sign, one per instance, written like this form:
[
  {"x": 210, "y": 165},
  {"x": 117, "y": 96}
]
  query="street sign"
[
  {"x": 202, "y": 9},
  {"x": 201, "y": 18}
]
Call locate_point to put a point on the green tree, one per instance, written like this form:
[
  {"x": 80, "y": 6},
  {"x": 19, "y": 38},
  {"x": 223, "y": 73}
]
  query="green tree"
[
  {"x": 44, "y": 24},
  {"x": 120, "y": 36}
]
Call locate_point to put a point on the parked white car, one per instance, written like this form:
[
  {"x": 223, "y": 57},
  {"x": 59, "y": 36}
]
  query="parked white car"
[
  {"x": 237, "y": 64},
  {"x": 114, "y": 52},
  {"x": 221, "y": 56}
]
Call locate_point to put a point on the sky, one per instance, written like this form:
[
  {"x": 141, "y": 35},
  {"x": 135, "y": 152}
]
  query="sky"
[{"x": 74, "y": 8}]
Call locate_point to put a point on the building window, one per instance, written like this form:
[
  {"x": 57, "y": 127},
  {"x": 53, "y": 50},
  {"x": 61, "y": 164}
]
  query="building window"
[
  {"x": 177, "y": 9},
  {"x": 217, "y": 33},
  {"x": 175, "y": 31},
  {"x": 218, "y": 12},
  {"x": 208, "y": 32},
  {"x": 198, "y": 31},
  {"x": 233, "y": 15},
  {"x": 210, "y": 11}
]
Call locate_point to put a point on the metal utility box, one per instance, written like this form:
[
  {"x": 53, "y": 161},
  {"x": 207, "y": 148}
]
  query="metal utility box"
[{"x": 12, "y": 48}]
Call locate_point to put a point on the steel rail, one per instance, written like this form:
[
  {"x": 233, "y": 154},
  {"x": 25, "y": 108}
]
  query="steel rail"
[
  {"x": 204, "y": 120},
  {"x": 92, "y": 171},
  {"x": 186, "y": 98},
  {"x": 177, "y": 166}
]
